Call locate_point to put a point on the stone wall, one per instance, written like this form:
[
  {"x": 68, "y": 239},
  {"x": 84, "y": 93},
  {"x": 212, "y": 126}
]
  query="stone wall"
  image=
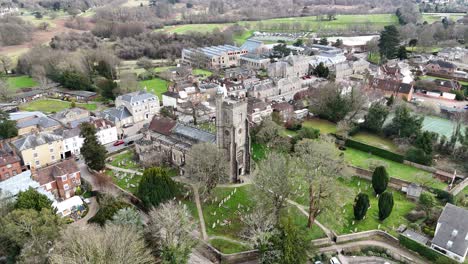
[
  {"x": 394, "y": 183},
  {"x": 366, "y": 235}
]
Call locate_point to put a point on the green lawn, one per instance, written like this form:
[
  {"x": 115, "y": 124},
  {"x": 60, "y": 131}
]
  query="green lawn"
[
  {"x": 396, "y": 170},
  {"x": 208, "y": 127},
  {"x": 125, "y": 181},
  {"x": 419, "y": 49},
  {"x": 239, "y": 39},
  {"x": 431, "y": 78},
  {"x": 201, "y": 72},
  {"x": 52, "y": 106},
  {"x": 156, "y": 86},
  {"x": 431, "y": 18},
  {"x": 16, "y": 83},
  {"x": 374, "y": 58},
  {"x": 125, "y": 160},
  {"x": 324, "y": 126},
  {"x": 309, "y": 23},
  {"x": 162, "y": 69},
  {"x": 230, "y": 211},
  {"x": 376, "y": 141},
  {"x": 228, "y": 247},
  {"x": 344, "y": 223},
  {"x": 259, "y": 151}
]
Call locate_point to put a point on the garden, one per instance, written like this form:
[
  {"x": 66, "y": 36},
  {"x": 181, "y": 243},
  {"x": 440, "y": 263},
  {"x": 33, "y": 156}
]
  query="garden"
[
  {"x": 19, "y": 82},
  {"x": 53, "y": 106}
]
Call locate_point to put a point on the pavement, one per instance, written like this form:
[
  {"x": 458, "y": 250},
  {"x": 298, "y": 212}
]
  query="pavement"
[
  {"x": 92, "y": 210},
  {"x": 111, "y": 148},
  {"x": 440, "y": 101}
]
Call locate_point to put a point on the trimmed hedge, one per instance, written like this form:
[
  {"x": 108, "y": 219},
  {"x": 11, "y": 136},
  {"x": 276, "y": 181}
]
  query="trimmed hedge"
[
  {"x": 423, "y": 250},
  {"x": 375, "y": 151}
]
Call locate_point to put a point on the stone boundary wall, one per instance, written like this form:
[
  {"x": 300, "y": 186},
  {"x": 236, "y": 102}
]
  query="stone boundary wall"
[
  {"x": 367, "y": 259},
  {"x": 366, "y": 235},
  {"x": 394, "y": 183}
]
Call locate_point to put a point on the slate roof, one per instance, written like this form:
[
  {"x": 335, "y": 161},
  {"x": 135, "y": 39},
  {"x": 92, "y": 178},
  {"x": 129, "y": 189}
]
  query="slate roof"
[
  {"x": 65, "y": 113},
  {"x": 453, "y": 227},
  {"x": 116, "y": 113},
  {"x": 7, "y": 156},
  {"x": 34, "y": 140},
  {"x": 215, "y": 50},
  {"x": 391, "y": 86},
  {"x": 162, "y": 125},
  {"x": 42, "y": 122},
  {"x": 137, "y": 96},
  {"x": 68, "y": 133},
  {"x": 80, "y": 93},
  {"x": 443, "y": 64},
  {"x": 251, "y": 45},
  {"x": 194, "y": 134},
  {"x": 21, "y": 182},
  {"x": 78, "y": 122},
  {"x": 48, "y": 174}
]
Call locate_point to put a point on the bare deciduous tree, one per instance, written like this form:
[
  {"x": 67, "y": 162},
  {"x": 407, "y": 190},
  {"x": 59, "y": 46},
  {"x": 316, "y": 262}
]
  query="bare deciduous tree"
[
  {"x": 320, "y": 164},
  {"x": 5, "y": 63},
  {"x": 171, "y": 229},
  {"x": 208, "y": 165},
  {"x": 128, "y": 83},
  {"x": 92, "y": 244},
  {"x": 40, "y": 75}
]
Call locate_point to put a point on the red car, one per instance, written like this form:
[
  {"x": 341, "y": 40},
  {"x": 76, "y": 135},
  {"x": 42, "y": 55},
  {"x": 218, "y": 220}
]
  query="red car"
[{"x": 118, "y": 142}]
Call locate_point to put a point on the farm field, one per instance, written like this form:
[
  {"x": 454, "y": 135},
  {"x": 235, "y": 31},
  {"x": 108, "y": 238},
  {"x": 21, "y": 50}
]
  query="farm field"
[
  {"x": 156, "y": 86},
  {"x": 18, "y": 82},
  {"x": 310, "y": 23},
  {"x": 52, "y": 106}
]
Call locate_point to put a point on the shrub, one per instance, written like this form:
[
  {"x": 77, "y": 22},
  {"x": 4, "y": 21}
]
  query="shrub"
[
  {"x": 417, "y": 155},
  {"x": 375, "y": 151},
  {"x": 293, "y": 125},
  {"x": 109, "y": 205},
  {"x": 380, "y": 180},
  {"x": 385, "y": 205},
  {"x": 415, "y": 215},
  {"x": 156, "y": 187},
  {"x": 444, "y": 196},
  {"x": 422, "y": 250},
  {"x": 308, "y": 132},
  {"x": 361, "y": 204}
]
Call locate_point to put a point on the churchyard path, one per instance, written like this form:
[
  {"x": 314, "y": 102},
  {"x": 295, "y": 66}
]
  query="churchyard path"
[{"x": 123, "y": 170}]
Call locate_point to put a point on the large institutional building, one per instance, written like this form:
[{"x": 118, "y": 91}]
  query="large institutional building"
[{"x": 215, "y": 57}]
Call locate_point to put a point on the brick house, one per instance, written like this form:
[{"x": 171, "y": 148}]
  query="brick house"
[
  {"x": 10, "y": 163},
  {"x": 61, "y": 178},
  {"x": 393, "y": 87},
  {"x": 285, "y": 110},
  {"x": 441, "y": 67}
]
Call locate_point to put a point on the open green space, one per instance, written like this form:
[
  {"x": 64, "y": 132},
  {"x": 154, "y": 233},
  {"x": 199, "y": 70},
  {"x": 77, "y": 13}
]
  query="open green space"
[
  {"x": 396, "y": 170},
  {"x": 374, "y": 57},
  {"x": 239, "y": 39},
  {"x": 419, "y": 49},
  {"x": 228, "y": 246},
  {"x": 341, "y": 219},
  {"x": 201, "y": 72},
  {"x": 18, "y": 82},
  {"x": 52, "y": 106},
  {"x": 126, "y": 181},
  {"x": 225, "y": 220},
  {"x": 156, "y": 86},
  {"x": 376, "y": 141},
  {"x": 431, "y": 18},
  {"x": 431, "y": 78},
  {"x": 308, "y": 23},
  {"x": 125, "y": 160},
  {"x": 325, "y": 127}
]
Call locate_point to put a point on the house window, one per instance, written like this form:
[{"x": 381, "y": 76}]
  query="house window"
[
  {"x": 64, "y": 177},
  {"x": 35, "y": 155},
  {"x": 15, "y": 173},
  {"x": 66, "y": 186},
  {"x": 51, "y": 150},
  {"x": 52, "y": 157},
  {"x": 48, "y": 186},
  {"x": 38, "y": 163},
  {"x": 7, "y": 175}
]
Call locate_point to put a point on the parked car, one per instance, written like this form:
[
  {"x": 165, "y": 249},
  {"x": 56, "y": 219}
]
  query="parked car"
[
  {"x": 334, "y": 260},
  {"x": 130, "y": 142},
  {"x": 118, "y": 143},
  {"x": 127, "y": 125}
]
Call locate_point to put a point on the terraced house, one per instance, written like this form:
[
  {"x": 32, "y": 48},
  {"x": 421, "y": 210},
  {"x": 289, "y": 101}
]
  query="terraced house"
[{"x": 39, "y": 149}]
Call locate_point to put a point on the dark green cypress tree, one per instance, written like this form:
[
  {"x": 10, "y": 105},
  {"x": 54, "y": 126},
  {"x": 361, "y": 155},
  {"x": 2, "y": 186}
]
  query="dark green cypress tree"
[
  {"x": 380, "y": 180},
  {"x": 92, "y": 150},
  {"x": 385, "y": 205},
  {"x": 361, "y": 204},
  {"x": 156, "y": 187}
]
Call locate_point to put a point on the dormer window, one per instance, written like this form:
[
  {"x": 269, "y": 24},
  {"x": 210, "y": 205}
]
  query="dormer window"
[
  {"x": 449, "y": 244},
  {"x": 454, "y": 232}
]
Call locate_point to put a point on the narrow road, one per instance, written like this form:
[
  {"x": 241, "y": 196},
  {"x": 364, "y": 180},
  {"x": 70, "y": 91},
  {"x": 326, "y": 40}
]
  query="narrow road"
[
  {"x": 92, "y": 210},
  {"x": 200, "y": 212}
]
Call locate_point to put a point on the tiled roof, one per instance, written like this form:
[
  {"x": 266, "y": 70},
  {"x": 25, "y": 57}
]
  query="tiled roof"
[
  {"x": 7, "y": 156},
  {"x": 42, "y": 122},
  {"x": 162, "y": 125},
  {"x": 443, "y": 64},
  {"x": 48, "y": 174}
]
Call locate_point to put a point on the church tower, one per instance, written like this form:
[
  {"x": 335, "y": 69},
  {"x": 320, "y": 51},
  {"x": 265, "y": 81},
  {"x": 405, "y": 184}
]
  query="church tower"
[{"x": 232, "y": 133}]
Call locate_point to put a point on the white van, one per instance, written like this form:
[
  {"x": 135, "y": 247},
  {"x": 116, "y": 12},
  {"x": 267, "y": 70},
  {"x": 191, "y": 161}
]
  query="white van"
[{"x": 334, "y": 260}]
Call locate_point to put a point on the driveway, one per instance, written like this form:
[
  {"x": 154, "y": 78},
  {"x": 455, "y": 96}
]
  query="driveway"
[{"x": 92, "y": 210}]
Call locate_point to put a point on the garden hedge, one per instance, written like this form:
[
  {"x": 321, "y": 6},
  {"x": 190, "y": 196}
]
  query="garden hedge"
[
  {"x": 423, "y": 250},
  {"x": 375, "y": 151}
]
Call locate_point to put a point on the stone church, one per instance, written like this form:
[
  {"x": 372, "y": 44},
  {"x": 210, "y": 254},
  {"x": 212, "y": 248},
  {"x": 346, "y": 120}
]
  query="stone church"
[{"x": 169, "y": 140}]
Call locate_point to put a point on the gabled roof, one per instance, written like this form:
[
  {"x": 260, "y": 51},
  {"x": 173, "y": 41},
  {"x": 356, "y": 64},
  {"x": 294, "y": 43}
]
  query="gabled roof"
[
  {"x": 116, "y": 113},
  {"x": 7, "y": 156},
  {"x": 35, "y": 140},
  {"x": 69, "y": 112},
  {"x": 194, "y": 134},
  {"x": 453, "y": 227},
  {"x": 41, "y": 122},
  {"x": 48, "y": 174},
  {"x": 162, "y": 125},
  {"x": 137, "y": 97},
  {"x": 443, "y": 64},
  {"x": 251, "y": 45},
  {"x": 20, "y": 183}
]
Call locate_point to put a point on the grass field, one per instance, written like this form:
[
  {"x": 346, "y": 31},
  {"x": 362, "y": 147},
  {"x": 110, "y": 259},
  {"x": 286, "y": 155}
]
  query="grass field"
[
  {"x": 18, "y": 82},
  {"x": 344, "y": 223},
  {"x": 228, "y": 247},
  {"x": 376, "y": 141},
  {"x": 309, "y": 23},
  {"x": 374, "y": 58},
  {"x": 240, "y": 39},
  {"x": 324, "y": 126},
  {"x": 125, "y": 160},
  {"x": 156, "y": 86},
  {"x": 431, "y": 18},
  {"x": 125, "y": 181},
  {"x": 52, "y": 106},
  {"x": 396, "y": 170},
  {"x": 202, "y": 73}
]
